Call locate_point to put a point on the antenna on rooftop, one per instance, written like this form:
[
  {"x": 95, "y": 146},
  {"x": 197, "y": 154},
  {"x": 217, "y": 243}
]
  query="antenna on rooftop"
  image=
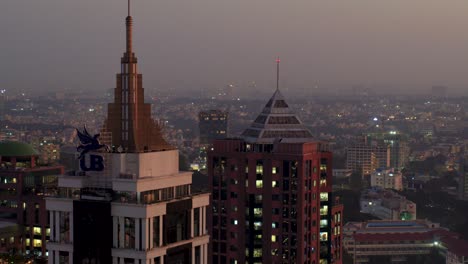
[
  {"x": 128, "y": 7},
  {"x": 277, "y": 72}
]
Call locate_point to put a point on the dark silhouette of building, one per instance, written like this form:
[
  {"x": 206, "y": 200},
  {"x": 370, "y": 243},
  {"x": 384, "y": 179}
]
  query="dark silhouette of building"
[
  {"x": 213, "y": 125},
  {"x": 272, "y": 199},
  {"x": 23, "y": 186}
]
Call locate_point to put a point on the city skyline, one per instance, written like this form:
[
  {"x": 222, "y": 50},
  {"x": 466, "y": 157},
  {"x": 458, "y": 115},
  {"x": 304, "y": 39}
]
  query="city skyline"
[{"x": 391, "y": 46}]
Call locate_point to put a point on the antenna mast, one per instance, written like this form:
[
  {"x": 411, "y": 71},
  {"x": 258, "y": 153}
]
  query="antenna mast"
[
  {"x": 277, "y": 72},
  {"x": 128, "y": 7}
]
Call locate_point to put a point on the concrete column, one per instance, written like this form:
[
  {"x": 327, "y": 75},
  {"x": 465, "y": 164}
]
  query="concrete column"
[
  {"x": 192, "y": 226},
  {"x": 144, "y": 234},
  {"x": 121, "y": 260},
  {"x": 51, "y": 253},
  {"x": 137, "y": 234},
  {"x": 205, "y": 254},
  {"x": 114, "y": 260},
  {"x": 202, "y": 253},
  {"x": 203, "y": 222},
  {"x": 71, "y": 227},
  {"x": 200, "y": 221},
  {"x": 57, "y": 227},
  {"x": 150, "y": 235},
  {"x": 161, "y": 231},
  {"x": 70, "y": 258},
  {"x": 56, "y": 253},
  {"x": 193, "y": 253},
  {"x": 115, "y": 227},
  {"x": 52, "y": 226},
  {"x": 122, "y": 232}
]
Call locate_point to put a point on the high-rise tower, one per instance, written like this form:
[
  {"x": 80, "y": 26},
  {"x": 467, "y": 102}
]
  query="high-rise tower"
[
  {"x": 131, "y": 205},
  {"x": 129, "y": 117},
  {"x": 272, "y": 198}
]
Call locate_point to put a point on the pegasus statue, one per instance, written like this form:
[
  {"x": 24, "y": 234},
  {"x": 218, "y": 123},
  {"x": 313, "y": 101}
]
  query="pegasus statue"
[{"x": 88, "y": 142}]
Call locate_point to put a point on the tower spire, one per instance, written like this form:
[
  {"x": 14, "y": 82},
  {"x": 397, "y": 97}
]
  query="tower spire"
[
  {"x": 277, "y": 72},
  {"x": 129, "y": 24}
]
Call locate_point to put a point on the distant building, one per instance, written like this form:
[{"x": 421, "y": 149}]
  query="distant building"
[
  {"x": 387, "y": 205},
  {"x": 2, "y": 104},
  {"x": 213, "y": 125},
  {"x": 365, "y": 157},
  {"x": 402, "y": 241},
  {"x": 463, "y": 177},
  {"x": 272, "y": 199},
  {"x": 398, "y": 144},
  {"x": 387, "y": 179},
  {"x": 23, "y": 187}
]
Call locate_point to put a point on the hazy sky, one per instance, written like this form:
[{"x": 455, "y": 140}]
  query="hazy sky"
[{"x": 190, "y": 44}]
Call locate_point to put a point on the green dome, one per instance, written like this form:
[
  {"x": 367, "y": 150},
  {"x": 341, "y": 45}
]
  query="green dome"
[{"x": 16, "y": 149}]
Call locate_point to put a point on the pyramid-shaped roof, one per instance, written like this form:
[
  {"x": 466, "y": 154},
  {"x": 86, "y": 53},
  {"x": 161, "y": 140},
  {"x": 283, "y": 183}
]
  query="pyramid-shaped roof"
[{"x": 277, "y": 122}]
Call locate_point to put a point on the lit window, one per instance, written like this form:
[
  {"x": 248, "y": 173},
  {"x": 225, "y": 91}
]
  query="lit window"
[
  {"x": 37, "y": 243},
  {"x": 259, "y": 169},
  {"x": 323, "y": 196},
  {"x": 257, "y": 252},
  {"x": 323, "y": 223},
  {"x": 274, "y": 170},
  {"x": 258, "y": 212},
  {"x": 323, "y": 236},
  {"x": 37, "y": 230},
  {"x": 273, "y": 238},
  {"x": 274, "y": 184},
  {"x": 257, "y": 225},
  {"x": 259, "y": 183},
  {"x": 28, "y": 242},
  {"x": 324, "y": 210}
]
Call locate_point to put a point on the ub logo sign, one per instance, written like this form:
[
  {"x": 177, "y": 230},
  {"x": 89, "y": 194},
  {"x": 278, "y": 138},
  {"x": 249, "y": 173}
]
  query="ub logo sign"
[{"x": 90, "y": 143}]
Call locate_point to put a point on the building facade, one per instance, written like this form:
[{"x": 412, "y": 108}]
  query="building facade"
[
  {"x": 398, "y": 144},
  {"x": 129, "y": 203},
  {"x": 366, "y": 158},
  {"x": 387, "y": 179},
  {"x": 213, "y": 125},
  {"x": 271, "y": 194},
  {"x": 387, "y": 205},
  {"x": 418, "y": 241},
  {"x": 23, "y": 187}
]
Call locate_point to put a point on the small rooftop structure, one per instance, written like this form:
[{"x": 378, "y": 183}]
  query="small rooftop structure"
[{"x": 277, "y": 123}]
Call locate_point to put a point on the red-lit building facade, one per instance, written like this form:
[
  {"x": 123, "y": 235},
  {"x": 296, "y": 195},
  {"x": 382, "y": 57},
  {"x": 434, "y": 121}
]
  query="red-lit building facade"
[{"x": 272, "y": 198}]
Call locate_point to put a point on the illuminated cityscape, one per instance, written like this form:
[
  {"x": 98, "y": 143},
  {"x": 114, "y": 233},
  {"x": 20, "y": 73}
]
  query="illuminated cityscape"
[{"x": 358, "y": 154}]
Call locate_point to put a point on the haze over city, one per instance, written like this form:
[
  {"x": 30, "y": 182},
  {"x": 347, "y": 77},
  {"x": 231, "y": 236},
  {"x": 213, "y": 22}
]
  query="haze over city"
[{"x": 389, "y": 46}]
